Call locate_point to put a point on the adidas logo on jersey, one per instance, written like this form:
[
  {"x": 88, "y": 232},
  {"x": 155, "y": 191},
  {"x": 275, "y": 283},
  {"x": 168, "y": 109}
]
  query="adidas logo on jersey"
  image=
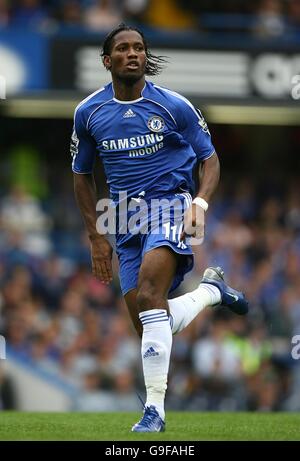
[
  {"x": 129, "y": 113},
  {"x": 151, "y": 352}
]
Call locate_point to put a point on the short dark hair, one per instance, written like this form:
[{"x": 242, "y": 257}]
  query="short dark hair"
[{"x": 154, "y": 64}]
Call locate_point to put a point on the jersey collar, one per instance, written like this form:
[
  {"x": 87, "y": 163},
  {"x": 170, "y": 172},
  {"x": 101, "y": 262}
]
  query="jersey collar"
[{"x": 128, "y": 102}]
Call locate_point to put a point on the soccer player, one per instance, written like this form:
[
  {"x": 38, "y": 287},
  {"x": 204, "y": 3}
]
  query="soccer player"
[{"x": 149, "y": 139}]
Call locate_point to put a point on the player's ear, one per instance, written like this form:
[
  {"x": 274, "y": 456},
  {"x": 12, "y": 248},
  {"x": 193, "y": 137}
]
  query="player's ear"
[{"x": 107, "y": 62}]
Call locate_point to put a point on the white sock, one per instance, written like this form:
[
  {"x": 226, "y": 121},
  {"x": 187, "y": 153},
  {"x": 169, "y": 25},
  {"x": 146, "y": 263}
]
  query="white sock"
[
  {"x": 185, "y": 308},
  {"x": 156, "y": 350}
]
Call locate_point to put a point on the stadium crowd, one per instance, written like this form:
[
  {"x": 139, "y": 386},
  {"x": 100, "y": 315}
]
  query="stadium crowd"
[
  {"x": 56, "y": 316},
  {"x": 260, "y": 18}
]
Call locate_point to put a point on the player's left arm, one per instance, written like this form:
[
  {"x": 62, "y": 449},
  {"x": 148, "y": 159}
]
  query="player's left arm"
[
  {"x": 194, "y": 218},
  {"x": 195, "y": 130}
]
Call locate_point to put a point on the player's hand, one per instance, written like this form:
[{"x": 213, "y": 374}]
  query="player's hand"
[
  {"x": 193, "y": 222},
  {"x": 101, "y": 252}
]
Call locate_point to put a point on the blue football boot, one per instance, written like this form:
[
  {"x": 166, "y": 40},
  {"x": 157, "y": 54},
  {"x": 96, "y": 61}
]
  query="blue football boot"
[
  {"x": 150, "y": 422},
  {"x": 234, "y": 300}
]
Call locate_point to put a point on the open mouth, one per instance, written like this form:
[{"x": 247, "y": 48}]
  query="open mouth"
[{"x": 132, "y": 65}]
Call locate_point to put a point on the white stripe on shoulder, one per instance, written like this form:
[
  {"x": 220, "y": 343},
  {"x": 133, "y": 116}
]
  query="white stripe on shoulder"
[
  {"x": 179, "y": 96},
  {"x": 87, "y": 99},
  {"x": 155, "y": 102}
]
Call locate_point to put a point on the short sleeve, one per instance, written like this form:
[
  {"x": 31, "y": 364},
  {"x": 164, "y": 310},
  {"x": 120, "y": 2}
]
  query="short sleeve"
[
  {"x": 195, "y": 130},
  {"x": 83, "y": 146}
]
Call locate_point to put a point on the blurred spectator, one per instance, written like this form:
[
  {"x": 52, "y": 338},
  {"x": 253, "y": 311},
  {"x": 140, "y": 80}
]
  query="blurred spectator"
[
  {"x": 218, "y": 366},
  {"x": 22, "y": 213},
  {"x": 293, "y": 14},
  {"x": 232, "y": 233},
  {"x": 169, "y": 15},
  {"x": 93, "y": 397},
  {"x": 30, "y": 14},
  {"x": 214, "y": 358},
  {"x": 134, "y": 10},
  {"x": 69, "y": 318},
  {"x": 269, "y": 21},
  {"x": 292, "y": 214},
  {"x": 124, "y": 389},
  {"x": 4, "y": 13},
  {"x": 102, "y": 15},
  {"x": 19, "y": 210},
  {"x": 51, "y": 282},
  {"x": 71, "y": 13},
  {"x": 39, "y": 354}
]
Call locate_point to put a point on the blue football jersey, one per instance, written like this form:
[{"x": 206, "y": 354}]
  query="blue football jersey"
[{"x": 148, "y": 146}]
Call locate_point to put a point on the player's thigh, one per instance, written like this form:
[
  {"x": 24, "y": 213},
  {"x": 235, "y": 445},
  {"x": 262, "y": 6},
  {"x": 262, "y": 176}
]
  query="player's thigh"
[{"x": 156, "y": 274}]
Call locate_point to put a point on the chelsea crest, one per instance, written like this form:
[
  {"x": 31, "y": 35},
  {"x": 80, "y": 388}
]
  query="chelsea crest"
[{"x": 156, "y": 124}]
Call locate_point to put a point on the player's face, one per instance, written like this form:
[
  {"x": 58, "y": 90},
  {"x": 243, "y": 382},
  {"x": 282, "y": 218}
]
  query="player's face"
[{"x": 127, "y": 59}]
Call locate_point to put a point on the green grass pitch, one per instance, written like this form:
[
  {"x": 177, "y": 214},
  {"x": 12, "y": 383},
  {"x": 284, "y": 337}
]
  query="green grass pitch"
[{"x": 180, "y": 426}]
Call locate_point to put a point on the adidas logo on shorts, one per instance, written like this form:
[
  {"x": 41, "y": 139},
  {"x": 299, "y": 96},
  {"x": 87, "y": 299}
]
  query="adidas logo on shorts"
[
  {"x": 129, "y": 113},
  {"x": 150, "y": 353}
]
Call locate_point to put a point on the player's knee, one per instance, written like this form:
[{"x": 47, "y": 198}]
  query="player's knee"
[{"x": 148, "y": 297}]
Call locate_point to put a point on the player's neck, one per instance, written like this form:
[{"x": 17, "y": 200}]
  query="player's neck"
[{"x": 128, "y": 91}]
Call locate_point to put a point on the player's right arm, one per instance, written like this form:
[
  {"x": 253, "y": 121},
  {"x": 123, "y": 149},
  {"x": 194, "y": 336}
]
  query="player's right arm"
[{"x": 83, "y": 151}]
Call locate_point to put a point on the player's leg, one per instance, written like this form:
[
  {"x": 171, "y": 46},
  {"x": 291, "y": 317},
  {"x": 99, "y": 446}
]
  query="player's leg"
[
  {"x": 182, "y": 309},
  {"x": 185, "y": 308},
  {"x": 155, "y": 279},
  {"x": 212, "y": 291},
  {"x": 131, "y": 302}
]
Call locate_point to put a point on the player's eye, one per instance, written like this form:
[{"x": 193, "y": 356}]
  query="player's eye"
[{"x": 121, "y": 48}]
